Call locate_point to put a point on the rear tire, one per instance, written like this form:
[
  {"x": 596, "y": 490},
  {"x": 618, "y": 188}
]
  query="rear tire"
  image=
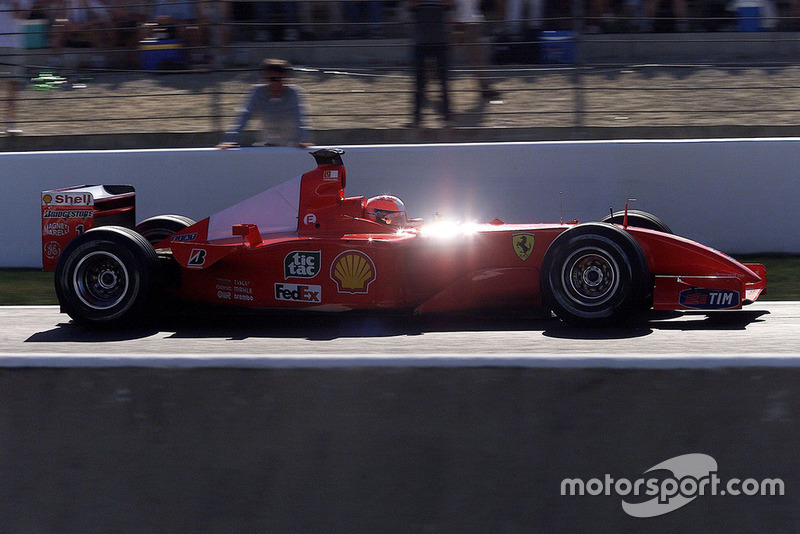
[
  {"x": 594, "y": 274},
  {"x": 639, "y": 218},
  {"x": 105, "y": 276},
  {"x": 156, "y": 229}
]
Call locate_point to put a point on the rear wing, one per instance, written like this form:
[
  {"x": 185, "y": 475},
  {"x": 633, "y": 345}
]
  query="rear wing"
[{"x": 68, "y": 212}]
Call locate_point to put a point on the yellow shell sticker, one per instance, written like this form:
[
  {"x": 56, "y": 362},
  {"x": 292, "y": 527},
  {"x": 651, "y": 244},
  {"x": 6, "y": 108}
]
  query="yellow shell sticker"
[
  {"x": 523, "y": 245},
  {"x": 353, "y": 271}
]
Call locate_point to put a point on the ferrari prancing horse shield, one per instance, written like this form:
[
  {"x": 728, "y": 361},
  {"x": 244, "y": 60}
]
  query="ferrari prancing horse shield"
[{"x": 523, "y": 245}]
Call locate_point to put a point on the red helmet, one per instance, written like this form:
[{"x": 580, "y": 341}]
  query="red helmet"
[{"x": 386, "y": 209}]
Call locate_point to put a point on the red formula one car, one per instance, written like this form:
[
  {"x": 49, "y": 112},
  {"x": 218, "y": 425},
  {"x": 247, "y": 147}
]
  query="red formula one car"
[{"x": 304, "y": 245}]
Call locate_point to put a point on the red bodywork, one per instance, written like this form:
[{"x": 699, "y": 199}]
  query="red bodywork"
[{"x": 303, "y": 244}]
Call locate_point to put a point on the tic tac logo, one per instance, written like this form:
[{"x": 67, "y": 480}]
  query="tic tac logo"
[
  {"x": 523, "y": 245},
  {"x": 301, "y": 264},
  {"x": 709, "y": 299},
  {"x": 298, "y": 293},
  {"x": 353, "y": 271},
  {"x": 67, "y": 199},
  {"x": 197, "y": 258}
]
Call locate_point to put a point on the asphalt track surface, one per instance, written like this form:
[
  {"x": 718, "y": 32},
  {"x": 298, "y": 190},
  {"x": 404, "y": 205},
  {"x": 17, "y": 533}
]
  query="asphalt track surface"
[{"x": 763, "y": 334}]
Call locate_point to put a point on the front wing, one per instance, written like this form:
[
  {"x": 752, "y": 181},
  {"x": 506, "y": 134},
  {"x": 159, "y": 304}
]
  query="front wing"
[{"x": 725, "y": 292}]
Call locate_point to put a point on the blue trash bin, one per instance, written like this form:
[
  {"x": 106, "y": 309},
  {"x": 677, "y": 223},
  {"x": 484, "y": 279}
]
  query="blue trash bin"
[
  {"x": 157, "y": 54},
  {"x": 558, "y": 46},
  {"x": 749, "y": 18}
]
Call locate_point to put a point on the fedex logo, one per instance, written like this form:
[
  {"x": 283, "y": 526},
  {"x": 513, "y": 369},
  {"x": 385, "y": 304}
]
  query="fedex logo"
[
  {"x": 709, "y": 299},
  {"x": 298, "y": 293},
  {"x": 68, "y": 199}
]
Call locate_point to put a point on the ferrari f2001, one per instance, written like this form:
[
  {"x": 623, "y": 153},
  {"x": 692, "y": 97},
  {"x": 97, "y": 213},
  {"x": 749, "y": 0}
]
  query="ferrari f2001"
[{"x": 303, "y": 244}]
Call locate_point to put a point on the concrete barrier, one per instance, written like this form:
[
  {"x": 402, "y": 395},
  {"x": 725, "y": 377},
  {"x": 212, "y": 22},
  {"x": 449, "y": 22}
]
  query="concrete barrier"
[
  {"x": 736, "y": 195},
  {"x": 414, "y": 449}
]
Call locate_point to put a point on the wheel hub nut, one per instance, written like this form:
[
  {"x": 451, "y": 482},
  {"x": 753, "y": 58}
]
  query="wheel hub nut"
[{"x": 108, "y": 279}]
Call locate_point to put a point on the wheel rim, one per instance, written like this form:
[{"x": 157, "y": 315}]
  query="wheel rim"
[
  {"x": 590, "y": 276},
  {"x": 100, "y": 280}
]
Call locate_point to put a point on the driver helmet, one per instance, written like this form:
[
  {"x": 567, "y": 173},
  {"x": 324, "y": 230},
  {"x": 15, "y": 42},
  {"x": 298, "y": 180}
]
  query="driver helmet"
[{"x": 386, "y": 209}]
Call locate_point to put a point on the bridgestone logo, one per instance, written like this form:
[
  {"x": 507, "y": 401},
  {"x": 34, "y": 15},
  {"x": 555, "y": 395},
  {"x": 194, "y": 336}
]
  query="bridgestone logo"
[{"x": 68, "y": 214}]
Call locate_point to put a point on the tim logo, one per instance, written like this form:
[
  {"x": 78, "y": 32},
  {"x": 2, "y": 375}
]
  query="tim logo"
[
  {"x": 197, "y": 258},
  {"x": 709, "y": 299}
]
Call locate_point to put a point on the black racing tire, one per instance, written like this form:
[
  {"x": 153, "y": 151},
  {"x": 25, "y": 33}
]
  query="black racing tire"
[
  {"x": 594, "y": 274},
  {"x": 641, "y": 219},
  {"x": 160, "y": 227},
  {"x": 106, "y": 276}
]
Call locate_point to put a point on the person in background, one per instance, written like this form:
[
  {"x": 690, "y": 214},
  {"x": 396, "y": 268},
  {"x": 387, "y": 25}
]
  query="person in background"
[
  {"x": 218, "y": 14},
  {"x": 126, "y": 19},
  {"x": 322, "y": 20},
  {"x": 365, "y": 17},
  {"x": 523, "y": 16},
  {"x": 680, "y": 12},
  {"x": 12, "y": 59},
  {"x": 279, "y": 105},
  {"x": 469, "y": 23},
  {"x": 281, "y": 20},
  {"x": 82, "y": 24},
  {"x": 431, "y": 38}
]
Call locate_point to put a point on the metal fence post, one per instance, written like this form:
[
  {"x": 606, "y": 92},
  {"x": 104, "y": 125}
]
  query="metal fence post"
[{"x": 577, "y": 76}]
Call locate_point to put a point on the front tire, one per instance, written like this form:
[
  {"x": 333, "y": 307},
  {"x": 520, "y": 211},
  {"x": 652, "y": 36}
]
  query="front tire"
[
  {"x": 639, "y": 218},
  {"x": 594, "y": 274},
  {"x": 105, "y": 276}
]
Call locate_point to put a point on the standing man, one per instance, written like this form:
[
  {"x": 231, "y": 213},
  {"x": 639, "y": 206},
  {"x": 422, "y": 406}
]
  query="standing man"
[
  {"x": 12, "y": 58},
  {"x": 280, "y": 107},
  {"x": 469, "y": 23},
  {"x": 431, "y": 40}
]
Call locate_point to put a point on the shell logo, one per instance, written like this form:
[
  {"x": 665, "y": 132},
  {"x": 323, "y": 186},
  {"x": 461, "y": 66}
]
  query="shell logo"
[{"x": 353, "y": 272}]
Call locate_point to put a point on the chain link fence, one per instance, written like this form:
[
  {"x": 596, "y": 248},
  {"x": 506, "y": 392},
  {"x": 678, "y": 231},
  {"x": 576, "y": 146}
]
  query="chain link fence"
[{"x": 131, "y": 70}]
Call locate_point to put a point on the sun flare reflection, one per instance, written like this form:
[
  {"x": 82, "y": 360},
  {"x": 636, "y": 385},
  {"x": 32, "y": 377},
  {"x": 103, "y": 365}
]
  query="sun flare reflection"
[{"x": 449, "y": 229}]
